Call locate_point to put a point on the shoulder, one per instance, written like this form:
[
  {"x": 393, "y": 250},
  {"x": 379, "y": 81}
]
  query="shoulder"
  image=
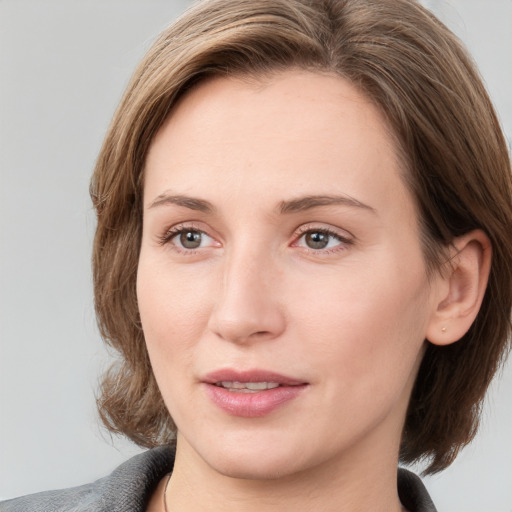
[
  {"x": 413, "y": 494},
  {"x": 127, "y": 488}
]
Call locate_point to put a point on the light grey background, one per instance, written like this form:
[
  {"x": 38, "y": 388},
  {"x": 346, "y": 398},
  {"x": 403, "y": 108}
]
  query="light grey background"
[{"x": 63, "y": 67}]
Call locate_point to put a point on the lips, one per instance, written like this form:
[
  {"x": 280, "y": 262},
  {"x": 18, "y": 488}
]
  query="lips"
[{"x": 253, "y": 393}]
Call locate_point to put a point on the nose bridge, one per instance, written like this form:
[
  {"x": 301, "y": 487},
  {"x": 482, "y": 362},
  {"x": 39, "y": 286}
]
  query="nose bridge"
[{"x": 247, "y": 306}]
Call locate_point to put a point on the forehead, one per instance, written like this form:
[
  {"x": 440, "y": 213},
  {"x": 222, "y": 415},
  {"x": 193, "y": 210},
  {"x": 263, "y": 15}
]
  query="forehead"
[
  {"x": 294, "y": 129},
  {"x": 292, "y": 102}
]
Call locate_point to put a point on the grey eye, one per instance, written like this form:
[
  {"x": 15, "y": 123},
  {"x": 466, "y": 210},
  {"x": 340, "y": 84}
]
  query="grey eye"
[
  {"x": 191, "y": 239},
  {"x": 317, "y": 239}
]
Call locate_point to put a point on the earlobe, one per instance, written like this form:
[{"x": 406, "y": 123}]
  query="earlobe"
[{"x": 460, "y": 288}]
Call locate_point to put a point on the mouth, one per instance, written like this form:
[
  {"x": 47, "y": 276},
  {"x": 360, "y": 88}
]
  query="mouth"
[
  {"x": 247, "y": 387},
  {"x": 250, "y": 380},
  {"x": 253, "y": 393}
]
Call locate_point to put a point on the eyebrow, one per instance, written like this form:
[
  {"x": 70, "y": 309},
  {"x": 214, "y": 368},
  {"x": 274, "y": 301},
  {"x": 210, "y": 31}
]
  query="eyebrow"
[
  {"x": 292, "y": 206},
  {"x": 191, "y": 203},
  {"x": 309, "y": 202}
]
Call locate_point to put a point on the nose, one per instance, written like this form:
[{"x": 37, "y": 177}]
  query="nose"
[{"x": 248, "y": 308}]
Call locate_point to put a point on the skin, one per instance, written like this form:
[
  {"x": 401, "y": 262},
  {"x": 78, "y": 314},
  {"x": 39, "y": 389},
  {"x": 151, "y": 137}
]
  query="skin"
[{"x": 349, "y": 319}]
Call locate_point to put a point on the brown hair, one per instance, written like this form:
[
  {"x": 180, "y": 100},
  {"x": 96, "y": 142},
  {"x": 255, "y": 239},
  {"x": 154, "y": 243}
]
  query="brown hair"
[{"x": 458, "y": 169}]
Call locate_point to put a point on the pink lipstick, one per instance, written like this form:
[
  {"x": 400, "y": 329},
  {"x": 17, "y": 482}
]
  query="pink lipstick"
[{"x": 251, "y": 394}]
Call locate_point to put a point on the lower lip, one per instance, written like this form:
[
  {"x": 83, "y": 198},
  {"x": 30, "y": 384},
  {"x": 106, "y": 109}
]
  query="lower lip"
[{"x": 252, "y": 405}]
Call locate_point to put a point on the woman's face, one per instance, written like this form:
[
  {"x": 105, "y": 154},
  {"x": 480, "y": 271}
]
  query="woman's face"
[{"x": 281, "y": 282}]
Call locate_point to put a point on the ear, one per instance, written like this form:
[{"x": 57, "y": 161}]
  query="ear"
[{"x": 460, "y": 288}]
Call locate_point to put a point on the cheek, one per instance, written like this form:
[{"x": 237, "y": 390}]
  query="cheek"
[
  {"x": 174, "y": 315},
  {"x": 174, "y": 309},
  {"x": 367, "y": 330}
]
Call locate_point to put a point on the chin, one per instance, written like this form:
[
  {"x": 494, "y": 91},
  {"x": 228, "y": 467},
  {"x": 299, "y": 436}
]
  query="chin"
[
  {"x": 252, "y": 459},
  {"x": 258, "y": 467}
]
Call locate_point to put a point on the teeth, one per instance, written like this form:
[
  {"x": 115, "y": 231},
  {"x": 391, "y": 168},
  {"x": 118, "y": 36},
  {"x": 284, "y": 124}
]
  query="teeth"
[{"x": 247, "y": 387}]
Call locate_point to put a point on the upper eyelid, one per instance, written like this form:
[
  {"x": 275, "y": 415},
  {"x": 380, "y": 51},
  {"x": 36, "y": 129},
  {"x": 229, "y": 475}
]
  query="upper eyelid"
[
  {"x": 167, "y": 239},
  {"x": 304, "y": 228},
  {"x": 169, "y": 233},
  {"x": 198, "y": 226},
  {"x": 183, "y": 226},
  {"x": 343, "y": 237},
  {"x": 177, "y": 228}
]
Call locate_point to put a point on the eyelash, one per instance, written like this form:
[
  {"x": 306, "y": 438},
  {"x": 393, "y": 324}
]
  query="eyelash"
[
  {"x": 343, "y": 241},
  {"x": 179, "y": 229},
  {"x": 174, "y": 231}
]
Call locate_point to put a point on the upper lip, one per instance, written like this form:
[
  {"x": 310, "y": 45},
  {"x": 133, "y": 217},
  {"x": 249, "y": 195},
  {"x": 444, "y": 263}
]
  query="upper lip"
[{"x": 231, "y": 375}]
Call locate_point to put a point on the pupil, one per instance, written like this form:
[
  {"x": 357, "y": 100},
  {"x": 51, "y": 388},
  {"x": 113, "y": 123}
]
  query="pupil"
[
  {"x": 317, "y": 240},
  {"x": 190, "y": 239}
]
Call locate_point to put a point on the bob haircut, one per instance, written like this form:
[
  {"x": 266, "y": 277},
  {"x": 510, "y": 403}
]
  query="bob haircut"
[{"x": 454, "y": 157}]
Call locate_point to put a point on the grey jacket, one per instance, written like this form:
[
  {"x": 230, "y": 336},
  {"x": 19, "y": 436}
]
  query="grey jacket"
[{"x": 129, "y": 487}]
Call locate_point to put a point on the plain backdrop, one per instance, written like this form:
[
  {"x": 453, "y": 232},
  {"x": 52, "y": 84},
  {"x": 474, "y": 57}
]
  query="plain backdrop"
[{"x": 63, "y": 67}]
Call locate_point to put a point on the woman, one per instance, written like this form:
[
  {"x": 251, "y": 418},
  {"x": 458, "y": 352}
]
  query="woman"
[{"x": 302, "y": 255}]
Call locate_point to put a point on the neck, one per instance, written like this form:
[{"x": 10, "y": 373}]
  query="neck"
[{"x": 351, "y": 486}]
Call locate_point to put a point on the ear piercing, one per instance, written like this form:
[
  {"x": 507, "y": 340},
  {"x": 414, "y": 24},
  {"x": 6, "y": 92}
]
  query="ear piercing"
[{"x": 443, "y": 329}]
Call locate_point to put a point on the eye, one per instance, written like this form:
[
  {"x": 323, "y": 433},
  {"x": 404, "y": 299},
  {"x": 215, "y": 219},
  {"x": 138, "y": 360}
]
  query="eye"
[
  {"x": 321, "y": 240},
  {"x": 317, "y": 239},
  {"x": 187, "y": 238}
]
